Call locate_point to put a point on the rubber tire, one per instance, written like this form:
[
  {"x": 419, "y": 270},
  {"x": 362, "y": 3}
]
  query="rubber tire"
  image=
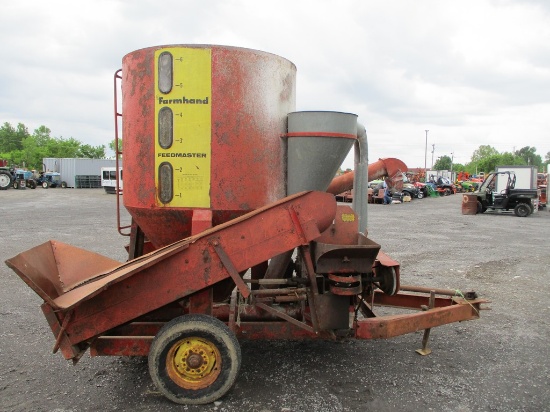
[
  {"x": 201, "y": 326},
  {"x": 63, "y": 185},
  {"x": 45, "y": 185},
  {"x": 32, "y": 184},
  {"x": 522, "y": 210},
  {"x": 420, "y": 194},
  {"x": 15, "y": 185},
  {"x": 388, "y": 285},
  {"x": 5, "y": 177}
]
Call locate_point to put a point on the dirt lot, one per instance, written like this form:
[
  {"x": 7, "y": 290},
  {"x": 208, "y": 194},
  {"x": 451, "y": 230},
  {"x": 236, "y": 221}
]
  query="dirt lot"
[{"x": 498, "y": 363}]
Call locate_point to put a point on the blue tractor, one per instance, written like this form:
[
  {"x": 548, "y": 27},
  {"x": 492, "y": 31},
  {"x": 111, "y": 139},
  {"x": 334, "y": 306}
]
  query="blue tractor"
[{"x": 50, "y": 179}]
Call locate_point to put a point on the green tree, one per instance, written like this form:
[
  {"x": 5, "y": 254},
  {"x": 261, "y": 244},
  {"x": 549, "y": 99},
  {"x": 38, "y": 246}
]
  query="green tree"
[
  {"x": 547, "y": 158},
  {"x": 33, "y": 152},
  {"x": 486, "y": 158},
  {"x": 113, "y": 143},
  {"x": 488, "y": 164},
  {"x": 22, "y": 149},
  {"x": 11, "y": 138},
  {"x": 60, "y": 147},
  {"x": 15, "y": 158},
  {"x": 443, "y": 163},
  {"x": 482, "y": 152},
  {"x": 457, "y": 167},
  {"x": 529, "y": 156},
  {"x": 91, "y": 152},
  {"x": 42, "y": 135},
  {"x": 509, "y": 158}
]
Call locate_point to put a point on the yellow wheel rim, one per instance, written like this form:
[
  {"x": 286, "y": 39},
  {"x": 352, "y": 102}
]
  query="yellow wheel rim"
[{"x": 193, "y": 363}]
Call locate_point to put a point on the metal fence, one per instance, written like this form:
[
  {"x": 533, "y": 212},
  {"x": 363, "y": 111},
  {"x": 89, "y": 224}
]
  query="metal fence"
[{"x": 87, "y": 181}]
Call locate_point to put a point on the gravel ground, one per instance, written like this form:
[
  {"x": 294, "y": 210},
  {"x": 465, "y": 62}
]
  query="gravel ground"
[{"x": 500, "y": 362}]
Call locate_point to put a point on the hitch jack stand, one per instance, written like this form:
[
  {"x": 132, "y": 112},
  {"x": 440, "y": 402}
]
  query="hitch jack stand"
[{"x": 425, "y": 349}]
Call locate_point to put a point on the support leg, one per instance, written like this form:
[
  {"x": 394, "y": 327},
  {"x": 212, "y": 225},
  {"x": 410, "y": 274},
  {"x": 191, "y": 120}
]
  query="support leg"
[{"x": 425, "y": 349}]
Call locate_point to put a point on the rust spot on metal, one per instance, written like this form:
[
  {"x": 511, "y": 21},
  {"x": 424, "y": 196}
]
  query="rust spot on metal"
[{"x": 206, "y": 258}]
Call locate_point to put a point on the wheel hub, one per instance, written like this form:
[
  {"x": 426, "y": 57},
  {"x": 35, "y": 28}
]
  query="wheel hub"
[{"x": 193, "y": 363}]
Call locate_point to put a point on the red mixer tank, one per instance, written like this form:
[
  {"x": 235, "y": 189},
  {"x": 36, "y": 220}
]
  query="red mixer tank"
[{"x": 201, "y": 130}]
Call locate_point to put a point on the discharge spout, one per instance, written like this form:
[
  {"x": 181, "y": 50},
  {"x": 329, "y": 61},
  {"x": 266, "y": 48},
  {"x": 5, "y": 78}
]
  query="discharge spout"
[{"x": 390, "y": 167}]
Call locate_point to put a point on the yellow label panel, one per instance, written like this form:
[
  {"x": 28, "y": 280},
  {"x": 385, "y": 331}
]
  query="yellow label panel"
[
  {"x": 183, "y": 98},
  {"x": 348, "y": 217}
]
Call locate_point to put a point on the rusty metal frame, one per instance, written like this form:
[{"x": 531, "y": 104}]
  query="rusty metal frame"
[
  {"x": 103, "y": 300},
  {"x": 284, "y": 316},
  {"x": 259, "y": 319},
  {"x": 230, "y": 267},
  {"x": 445, "y": 310},
  {"x": 134, "y": 339}
]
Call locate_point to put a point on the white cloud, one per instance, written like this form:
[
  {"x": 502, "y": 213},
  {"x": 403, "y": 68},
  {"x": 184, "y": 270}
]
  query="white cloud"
[{"x": 471, "y": 72}]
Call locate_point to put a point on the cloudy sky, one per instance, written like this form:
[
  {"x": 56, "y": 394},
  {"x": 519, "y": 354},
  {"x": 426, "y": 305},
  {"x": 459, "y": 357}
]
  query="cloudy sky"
[{"x": 472, "y": 72}]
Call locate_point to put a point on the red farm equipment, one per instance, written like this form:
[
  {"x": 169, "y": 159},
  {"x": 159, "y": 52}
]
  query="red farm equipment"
[
  {"x": 233, "y": 234},
  {"x": 390, "y": 168}
]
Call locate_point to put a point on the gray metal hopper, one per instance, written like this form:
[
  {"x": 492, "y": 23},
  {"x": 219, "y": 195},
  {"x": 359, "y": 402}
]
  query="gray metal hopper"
[{"x": 318, "y": 143}]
